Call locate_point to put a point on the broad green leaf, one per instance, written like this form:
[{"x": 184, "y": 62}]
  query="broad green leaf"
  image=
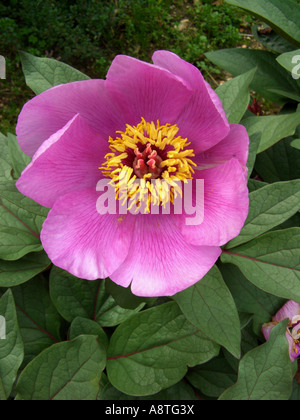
[
  {"x": 84, "y": 326},
  {"x": 296, "y": 144},
  {"x": 249, "y": 339},
  {"x": 272, "y": 41},
  {"x": 44, "y": 73},
  {"x": 6, "y": 169},
  {"x": 283, "y": 16},
  {"x": 18, "y": 158},
  {"x": 269, "y": 74},
  {"x": 265, "y": 373},
  {"x": 271, "y": 262},
  {"x": 235, "y": 96},
  {"x": 289, "y": 95},
  {"x": 11, "y": 347},
  {"x": 180, "y": 391},
  {"x": 279, "y": 163},
  {"x": 296, "y": 392},
  {"x": 65, "y": 371},
  {"x": 255, "y": 185},
  {"x": 290, "y": 61},
  {"x": 39, "y": 321},
  {"x": 21, "y": 223},
  {"x": 213, "y": 377},
  {"x": 13, "y": 273},
  {"x": 210, "y": 307},
  {"x": 249, "y": 299},
  {"x": 75, "y": 297},
  {"x": 254, "y": 141},
  {"x": 273, "y": 128},
  {"x": 269, "y": 207},
  {"x": 152, "y": 350},
  {"x": 124, "y": 297}
]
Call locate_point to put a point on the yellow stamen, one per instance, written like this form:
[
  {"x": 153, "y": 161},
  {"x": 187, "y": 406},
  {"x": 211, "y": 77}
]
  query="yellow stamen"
[{"x": 169, "y": 161}]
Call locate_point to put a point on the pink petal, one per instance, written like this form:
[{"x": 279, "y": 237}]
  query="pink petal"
[
  {"x": 267, "y": 328},
  {"x": 290, "y": 310},
  {"x": 144, "y": 90},
  {"x": 160, "y": 262},
  {"x": 226, "y": 205},
  {"x": 51, "y": 110},
  {"x": 81, "y": 241},
  {"x": 235, "y": 145},
  {"x": 203, "y": 120},
  {"x": 68, "y": 161}
]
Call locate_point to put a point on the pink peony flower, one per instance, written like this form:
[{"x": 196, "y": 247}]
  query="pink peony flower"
[
  {"x": 159, "y": 122},
  {"x": 291, "y": 311}
]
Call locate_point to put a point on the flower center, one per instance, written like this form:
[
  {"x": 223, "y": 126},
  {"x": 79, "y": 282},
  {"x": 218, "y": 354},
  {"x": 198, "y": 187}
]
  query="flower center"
[
  {"x": 147, "y": 162},
  {"x": 295, "y": 333},
  {"x": 152, "y": 154}
]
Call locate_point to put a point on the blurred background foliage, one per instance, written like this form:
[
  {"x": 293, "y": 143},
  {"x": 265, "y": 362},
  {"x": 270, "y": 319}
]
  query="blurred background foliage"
[{"x": 88, "y": 34}]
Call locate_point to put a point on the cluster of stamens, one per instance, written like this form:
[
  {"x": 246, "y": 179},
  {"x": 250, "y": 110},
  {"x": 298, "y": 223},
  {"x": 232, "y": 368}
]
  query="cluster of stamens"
[
  {"x": 294, "y": 330},
  {"x": 156, "y": 157}
]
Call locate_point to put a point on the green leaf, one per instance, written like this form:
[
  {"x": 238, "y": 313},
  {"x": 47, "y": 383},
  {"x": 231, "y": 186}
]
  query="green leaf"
[
  {"x": 84, "y": 326},
  {"x": 235, "y": 96},
  {"x": 269, "y": 73},
  {"x": 152, "y": 350},
  {"x": 296, "y": 144},
  {"x": 265, "y": 373},
  {"x": 44, "y": 73},
  {"x": 249, "y": 299},
  {"x": 180, "y": 391},
  {"x": 11, "y": 347},
  {"x": 39, "y": 321},
  {"x": 210, "y": 307},
  {"x": 18, "y": 159},
  {"x": 213, "y": 377},
  {"x": 13, "y": 273},
  {"x": 254, "y": 141},
  {"x": 6, "y": 169},
  {"x": 269, "y": 207},
  {"x": 289, "y": 95},
  {"x": 65, "y": 371},
  {"x": 124, "y": 297},
  {"x": 288, "y": 61},
  {"x": 296, "y": 392},
  {"x": 272, "y": 41},
  {"x": 273, "y": 128},
  {"x": 279, "y": 163},
  {"x": 75, "y": 297},
  {"x": 271, "y": 262},
  {"x": 255, "y": 185},
  {"x": 284, "y": 16},
  {"x": 21, "y": 223}
]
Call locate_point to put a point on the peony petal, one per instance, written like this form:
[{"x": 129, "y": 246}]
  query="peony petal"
[
  {"x": 160, "y": 262},
  {"x": 203, "y": 120},
  {"x": 267, "y": 328},
  {"x": 68, "y": 161},
  {"x": 51, "y": 110},
  {"x": 290, "y": 310},
  {"x": 81, "y": 241},
  {"x": 235, "y": 145},
  {"x": 146, "y": 91},
  {"x": 226, "y": 205}
]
